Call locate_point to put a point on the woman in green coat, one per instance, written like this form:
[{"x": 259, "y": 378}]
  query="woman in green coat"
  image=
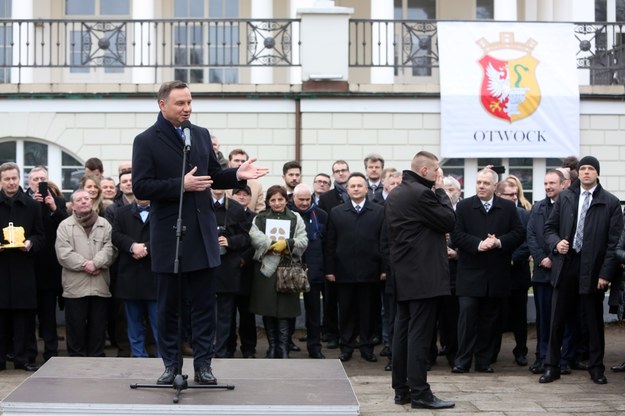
[{"x": 271, "y": 242}]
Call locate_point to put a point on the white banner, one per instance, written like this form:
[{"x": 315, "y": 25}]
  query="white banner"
[{"x": 508, "y": 89}]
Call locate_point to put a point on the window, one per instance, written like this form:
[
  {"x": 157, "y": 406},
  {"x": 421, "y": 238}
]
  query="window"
[
  {"x": 484, "y": 10},
  {"x": 206, "y": 43},
  {"x": 609, "y": 10},
  {"x": 66, "y": 173},
  {"x": 97, "y": 42},
  {"x": 6, "y": 40},
  {"x": 412, "y": 37}
]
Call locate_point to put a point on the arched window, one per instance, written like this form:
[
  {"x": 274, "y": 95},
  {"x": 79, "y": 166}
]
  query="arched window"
[{"x": 64, "y": 169}]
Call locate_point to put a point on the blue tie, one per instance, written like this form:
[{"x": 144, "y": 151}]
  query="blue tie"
[{"x": 180, "y": 133}]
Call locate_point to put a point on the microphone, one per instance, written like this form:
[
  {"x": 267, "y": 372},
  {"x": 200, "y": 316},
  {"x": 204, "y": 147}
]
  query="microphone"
[{"x": 186, "y": 130}]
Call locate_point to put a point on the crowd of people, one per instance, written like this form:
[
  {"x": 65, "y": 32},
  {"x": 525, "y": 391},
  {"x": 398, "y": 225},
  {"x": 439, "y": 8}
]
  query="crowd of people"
[{"x": 395, "y": 259}]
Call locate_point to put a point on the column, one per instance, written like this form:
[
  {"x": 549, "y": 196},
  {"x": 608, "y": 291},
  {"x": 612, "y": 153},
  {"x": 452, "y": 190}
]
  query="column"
[
  {"x": 325, "y": 37},
  {"x": 145, "y": 46},
  {"x": 295, "y": 72},
  {"x": 531, "y": 10},
  {"x": 382, "y": 34},
  {"x": 505, "y": 10},
  {"x": 545, "y": 10},
  {"x": 261, "y": 9},
  {"x": 23, "y": 34}
]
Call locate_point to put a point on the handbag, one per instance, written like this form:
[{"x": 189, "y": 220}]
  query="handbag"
[{"x": 292, "y": 276}]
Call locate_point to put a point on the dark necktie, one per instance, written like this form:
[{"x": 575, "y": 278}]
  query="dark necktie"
[
  {"x": 487, "y": 206},
  {"x": 579, "y": 232},
  {"x": 357, "y": 208},
  {"x": 180, "y": 134}
]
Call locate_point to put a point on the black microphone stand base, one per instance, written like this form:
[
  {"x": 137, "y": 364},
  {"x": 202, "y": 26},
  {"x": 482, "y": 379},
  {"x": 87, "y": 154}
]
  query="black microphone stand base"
[{"x": 180, "y": 384}]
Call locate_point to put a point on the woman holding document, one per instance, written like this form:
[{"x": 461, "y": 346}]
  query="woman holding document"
[{"x": 276, "y": 232}]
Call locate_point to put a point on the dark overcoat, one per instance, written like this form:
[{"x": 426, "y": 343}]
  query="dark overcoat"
[
  {"x": 135, "y": 280},
  {"x": 356, "y": 249},
  {"x": 485, "y": 273},
  {"x": 17, "y": 277},
  {"x": 313, "y": 256},
  {"x": 536, "y": 240},
  {"x": 521, "y": 276},
  {"x": 47, "y": 267},
  {"x": 237, "y": 232},
  {"x": 602, "y": 229},
  {"x": 417, "y": 220},
  {"x": 156, "y": 176}
]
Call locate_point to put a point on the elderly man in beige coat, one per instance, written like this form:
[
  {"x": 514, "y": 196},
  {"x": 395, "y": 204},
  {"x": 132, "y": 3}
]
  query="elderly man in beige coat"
[{"x": 85, "y": 251}]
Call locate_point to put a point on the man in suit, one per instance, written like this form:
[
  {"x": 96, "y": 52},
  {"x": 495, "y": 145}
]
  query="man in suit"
[
  {"x": 233, "y": 237},
  {"x": 355, "y": 258},
  {"x": 321, "y": 185},
  {"x": 18, "y": 297},
  {"x": 374, "y": 164},
  {"x": 327, "y": 201},
  {"x": 582, "y": 232},
  {"x": 47, "y": 268},
  {"x": 487, "y": 231},
  {"x": 316, "y": 221},
  {"x": 514, "y": 311},
  {"x": 555, "y": 183},
  {"x": 157, "y": 162},
  {"x": 136, "y": 285},
  {"x": 418, "y": 214}
]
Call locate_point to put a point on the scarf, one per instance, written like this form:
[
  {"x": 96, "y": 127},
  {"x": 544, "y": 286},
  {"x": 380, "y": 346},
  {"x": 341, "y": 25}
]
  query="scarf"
[
  {"x": 87, "y": 221},
  {"x": 312, "y": 228},
  {"x": 342, "y": 191}
]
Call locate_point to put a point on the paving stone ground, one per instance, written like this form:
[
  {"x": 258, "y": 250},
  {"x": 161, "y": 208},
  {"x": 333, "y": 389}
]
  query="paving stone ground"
[{"x": 511, "y": 390}]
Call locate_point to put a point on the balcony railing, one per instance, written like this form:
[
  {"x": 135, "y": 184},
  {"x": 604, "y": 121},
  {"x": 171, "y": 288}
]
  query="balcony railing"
[
  {"x": 214, "y": 50},
  {"x": 184, "y": 44},
  {"x": 412, "y": 46}
]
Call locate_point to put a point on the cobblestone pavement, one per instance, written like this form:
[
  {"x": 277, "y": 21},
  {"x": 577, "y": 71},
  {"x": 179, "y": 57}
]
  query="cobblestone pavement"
[{"x": 511, "y": 390}]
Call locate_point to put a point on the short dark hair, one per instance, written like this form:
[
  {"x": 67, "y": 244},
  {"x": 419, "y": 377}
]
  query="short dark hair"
[
  {"x": 374, "y": 157},
  {"x": 167, "y": 87},
  {"x": 293, "y": 164},
  {"x": 356, "y": 175},
  {"x": 557, "y": 172},
  {"x": 275, "y": 189},
  {"x": 570, "y": 162},
  {"x": 325, "y": 175},
  {"x": 238, "y": 152},
  {"x": 93, "y": 163}
]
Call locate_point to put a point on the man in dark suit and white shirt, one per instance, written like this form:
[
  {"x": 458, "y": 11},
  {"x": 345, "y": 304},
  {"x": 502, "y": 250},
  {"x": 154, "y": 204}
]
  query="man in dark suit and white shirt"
[
  {"x": 156, "y": 168},
  {"x": 582, "y": 232},
  {"x": 418, "y": 215},
  {"x": 487, "y": 231}
]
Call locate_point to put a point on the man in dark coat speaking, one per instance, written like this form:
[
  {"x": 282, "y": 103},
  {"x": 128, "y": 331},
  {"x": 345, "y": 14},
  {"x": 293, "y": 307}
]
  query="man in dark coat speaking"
[
  {"x": 418, "y": 214},
  {"x": 156, "y": 168}
]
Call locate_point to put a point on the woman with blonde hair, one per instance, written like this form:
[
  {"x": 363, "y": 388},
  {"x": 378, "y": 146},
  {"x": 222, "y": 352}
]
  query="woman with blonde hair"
[
  {"x": 514, "y": 181},
  {"x": 91, "y": 183}
]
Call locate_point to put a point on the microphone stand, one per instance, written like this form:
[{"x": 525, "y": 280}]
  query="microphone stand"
[{"x": 180, "y": 380}]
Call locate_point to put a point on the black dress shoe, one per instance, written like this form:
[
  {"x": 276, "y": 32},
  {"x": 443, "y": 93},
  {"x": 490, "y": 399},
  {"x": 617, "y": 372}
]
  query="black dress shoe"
[
  {"x": 484, "y": 369},
  {"x": 442, "y": 350},
  {"x": 168, "y": 376},
  {"x": 204, "y": 375},
  {"x": 458, "y": 369},
  {"x": 369, "y": 356},
  {"x": 316, "y": 354},
  {"x": 332, "y": 344},
  {"x": 431, "y": 403},
  {"x": 549, "y": 376},
  {"x": 388, "y": 366},
  {"x": 579, "y": 365},
  {"x": 345, "y": 356},
  {"x": 520, "y": 360},
  {"x": 303, "y": 338},
  {"x": 599, "y": 379},
  {"x": 402, "y": 397},
  {"x": 376, "y": 340},
  {"x": 27, "y": 367},
  {"x": 618, "y": 368},
  {"x": 538, "y": 367},
  {"x": 294, "y": 348},
  {"x": 386, "y": 352},
  {"x": 565, "y": 370},
  {"x": 3, "y": 365}
]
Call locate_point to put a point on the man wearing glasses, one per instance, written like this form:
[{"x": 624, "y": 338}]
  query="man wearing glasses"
[{"x": 321, "y": 185}]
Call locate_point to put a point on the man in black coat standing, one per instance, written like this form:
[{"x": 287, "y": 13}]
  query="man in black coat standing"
[
  {"x": 18, "y": 297},
  {"x": 487, "y": 231},
  {"x": 582, "y": 232},
  {"x": 316, "y": 221},
  {"x": 418, "y": 214},
  {"x": 156, "y": 174},
  {"x": 355, "y": 258}
]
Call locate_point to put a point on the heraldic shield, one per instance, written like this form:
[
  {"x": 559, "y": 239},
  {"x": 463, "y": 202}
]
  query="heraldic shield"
[{"x": 509, "y": 89}]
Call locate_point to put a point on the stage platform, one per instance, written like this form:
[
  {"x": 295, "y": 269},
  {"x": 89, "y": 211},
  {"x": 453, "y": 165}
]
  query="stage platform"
[{"x": 101, "y": 386}]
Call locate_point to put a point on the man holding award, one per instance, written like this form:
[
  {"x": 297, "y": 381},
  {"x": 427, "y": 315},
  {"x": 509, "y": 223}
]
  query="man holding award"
[{"x": 22, "y": 237}]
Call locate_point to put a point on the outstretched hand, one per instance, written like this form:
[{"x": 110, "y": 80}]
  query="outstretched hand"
[{"x": 248, "y": 171}]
